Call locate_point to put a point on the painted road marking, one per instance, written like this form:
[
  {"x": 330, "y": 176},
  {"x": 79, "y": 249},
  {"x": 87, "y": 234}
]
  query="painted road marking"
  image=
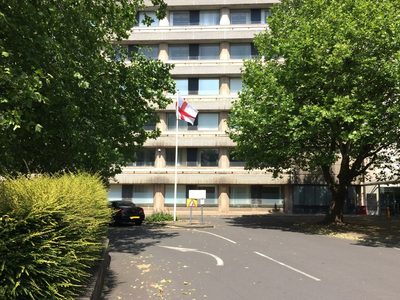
[
  {"x": 220, "y": 262},
  {"x": 221, "y": 237},
  {"x": 289, "y": 267}
]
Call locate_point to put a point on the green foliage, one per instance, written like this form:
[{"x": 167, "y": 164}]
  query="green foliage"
[
  {"x": 160, "y": 216},
  {"x": 326, "y": 91},
  {"x": 51, "y": 229},
  {"x": 66, "y": 104}
]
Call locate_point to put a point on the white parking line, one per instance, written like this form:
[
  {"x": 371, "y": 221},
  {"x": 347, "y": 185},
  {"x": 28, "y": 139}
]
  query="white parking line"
[
  {"x": 220, "y": 262},
  {"x": 289, "y": 267},
  {"x": 221, "y": 237}
]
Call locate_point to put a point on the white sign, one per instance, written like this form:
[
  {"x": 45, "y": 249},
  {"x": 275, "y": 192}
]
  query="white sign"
[{"x": 197, "y": 194}]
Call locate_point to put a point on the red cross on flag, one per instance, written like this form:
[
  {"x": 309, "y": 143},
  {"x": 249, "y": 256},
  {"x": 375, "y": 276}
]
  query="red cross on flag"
[{"x": 184, "y": 111}]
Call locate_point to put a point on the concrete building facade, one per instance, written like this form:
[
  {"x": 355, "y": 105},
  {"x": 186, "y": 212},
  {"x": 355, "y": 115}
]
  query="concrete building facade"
[{"x": 207, "y": 42}]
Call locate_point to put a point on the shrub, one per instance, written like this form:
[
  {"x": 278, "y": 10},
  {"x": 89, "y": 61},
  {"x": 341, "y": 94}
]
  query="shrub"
[
  {"x": 51, "y": 229},
  {"x": 160, "y": 217}
]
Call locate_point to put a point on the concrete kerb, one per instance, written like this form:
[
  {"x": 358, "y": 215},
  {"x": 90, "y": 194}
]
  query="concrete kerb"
[
  {"x": 186, "y": 224},
  {"x": 94, "y": 287}
]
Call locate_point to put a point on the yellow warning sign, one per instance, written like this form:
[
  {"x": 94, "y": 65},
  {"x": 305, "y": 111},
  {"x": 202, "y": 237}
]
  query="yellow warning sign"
[{"x": 191, "y": 202}]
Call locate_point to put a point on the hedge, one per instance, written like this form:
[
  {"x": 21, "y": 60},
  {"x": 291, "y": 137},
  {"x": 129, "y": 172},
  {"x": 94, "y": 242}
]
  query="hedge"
[{"x": 51, "y": 230}]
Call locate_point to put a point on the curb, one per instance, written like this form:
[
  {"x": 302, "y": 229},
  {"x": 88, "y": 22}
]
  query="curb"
[
  {"x": 187, "y": 225},
  {"x": 94, "y": 286}
]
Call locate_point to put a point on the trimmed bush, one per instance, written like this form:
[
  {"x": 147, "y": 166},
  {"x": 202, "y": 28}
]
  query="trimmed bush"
[
  {"x": 160, "y": 216},
  {"x": 51, "y": 229}
]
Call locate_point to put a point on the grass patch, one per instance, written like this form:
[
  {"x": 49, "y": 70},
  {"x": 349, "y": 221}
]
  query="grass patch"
[{"x": 160, "y": 217}]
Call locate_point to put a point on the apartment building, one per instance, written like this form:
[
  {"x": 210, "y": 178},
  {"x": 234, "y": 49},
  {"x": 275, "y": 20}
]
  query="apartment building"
[{"x": 207, "y": 41}]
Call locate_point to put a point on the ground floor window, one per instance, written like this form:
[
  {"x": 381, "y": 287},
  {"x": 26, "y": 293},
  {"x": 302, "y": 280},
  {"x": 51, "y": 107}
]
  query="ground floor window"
[
  {"x": 256, "y": 195},
  {"x": 170, "y": 195},
  {"x": 139, "y": 194},
  {"x": 239, "y": 195},
  {"x": 115, "y": 192},
  {"x": 143, "y": 194},
  {"x": 183, "y": 194},
  {"x": 316, "y": 199}
]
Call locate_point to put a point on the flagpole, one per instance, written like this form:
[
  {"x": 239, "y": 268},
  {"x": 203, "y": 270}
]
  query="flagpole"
[{"x": 176, "y": 157}]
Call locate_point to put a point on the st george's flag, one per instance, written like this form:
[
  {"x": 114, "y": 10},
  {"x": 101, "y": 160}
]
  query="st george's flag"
[{"x": 184, "y": 111}]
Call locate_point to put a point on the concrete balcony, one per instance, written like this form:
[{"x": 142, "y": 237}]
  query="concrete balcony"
[
  {"x": 206, "y": 103},
  {"x": 191, "y": 138},
  {"x": 209, "y": 34},
  {"x": 201, "y": 175},
  {"x": 217, "y": 3},
  {"x": 206, "y": 67}
]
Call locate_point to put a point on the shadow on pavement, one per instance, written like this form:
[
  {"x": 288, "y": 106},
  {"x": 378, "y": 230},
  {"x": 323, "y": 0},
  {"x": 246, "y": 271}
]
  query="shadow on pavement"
[
  {"x": 134, "y": 239},
  {"x": 372, "y": 231}
]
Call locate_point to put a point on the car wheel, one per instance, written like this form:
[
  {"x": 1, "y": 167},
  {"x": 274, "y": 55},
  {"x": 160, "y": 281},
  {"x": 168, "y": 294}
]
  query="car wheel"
[{"x": 139, "y": 222}]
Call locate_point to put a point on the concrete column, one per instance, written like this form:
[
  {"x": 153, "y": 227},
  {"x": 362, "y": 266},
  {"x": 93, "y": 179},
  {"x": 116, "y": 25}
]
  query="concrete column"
[
  {"x": 224, "y": 85},
  {"x": 223, "y": 158},
  {"x": 160, "y": 158},
  {"x": 224, "y": 50},
  {"x": 162, "y": 125},
  {"x": 288, "y": 198},
  {"x": 223, "y": 116},
  {"x": 163, "y": 51},
  {"x": 159, "y": 192},
  {"x": 224, "y": 16},
  {"x": 223, "y": 199},
  {"x": 165, "y": 21}
]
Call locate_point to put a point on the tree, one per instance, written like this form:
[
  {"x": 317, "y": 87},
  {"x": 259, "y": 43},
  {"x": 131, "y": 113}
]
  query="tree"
[
  {"x": 325, "y": 92},
  {"x": 69, "y": 99}
]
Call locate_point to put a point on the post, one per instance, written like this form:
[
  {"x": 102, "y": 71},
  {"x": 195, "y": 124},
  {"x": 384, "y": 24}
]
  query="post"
[
  {"x": 202, "y": 215},
  {"x": 190, "y": 222},
  {"x": 176, "y": 165}
]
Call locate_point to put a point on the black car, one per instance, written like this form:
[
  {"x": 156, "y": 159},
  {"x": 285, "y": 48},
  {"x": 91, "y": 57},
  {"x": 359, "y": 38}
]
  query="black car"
[{"x": 127, "y": 212}]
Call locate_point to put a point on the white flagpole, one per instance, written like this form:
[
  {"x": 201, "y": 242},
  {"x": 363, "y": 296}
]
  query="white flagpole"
[{"x": 176, "y": 157}]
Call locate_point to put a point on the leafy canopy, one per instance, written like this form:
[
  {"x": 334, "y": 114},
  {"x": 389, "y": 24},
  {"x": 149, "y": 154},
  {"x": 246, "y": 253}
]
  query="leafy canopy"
[
  {"x": 325, "y": 91},
  {"x": 66, "y": 101}
]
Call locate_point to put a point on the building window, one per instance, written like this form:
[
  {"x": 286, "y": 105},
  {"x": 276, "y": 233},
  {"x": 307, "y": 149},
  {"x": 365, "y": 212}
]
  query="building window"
[
  {"x": 239, "y": 195},
  {"x": 198, "y": 86},
  {"x": 209, "y": 17},
  {"x": 170, "y": 157},
  {"x": 171, "y": 122},
  {"x": 193, "y": 52},
  {"x": 242, "y": 51},
  {"x": 272, "y": 195},
  {"x": 145, "y": 158},
  {"x": 235, "y": 163},
  {"x": 211, "y": 194},
  {"x": 180, "y": 18},
  {"x": 209, "y": 157},
  {"x": 169, "y": 196},
  {"x": 182, "y": 194},
  {"x": 150, "y": 126},
  {"x": 208, "y": 86},
  {"x": 150, "y": 51},
  {"x": 140, "y": 17},
  {"x": 240, "y": 16},
  {"x": 207, "y": 121},
  {"x": 235, "y": 85},
  {"x": 194, "y": 17},
  {"x": 143, "y": 194},
  {"x": 183, "y": 86},
  {"x": 209, "y": 51},
  {"x": 203, "y": 121},
  {"x": 253, "y": 16},
  {"x": 115, "y": 192},
  {"x": 178, "y": 52}
]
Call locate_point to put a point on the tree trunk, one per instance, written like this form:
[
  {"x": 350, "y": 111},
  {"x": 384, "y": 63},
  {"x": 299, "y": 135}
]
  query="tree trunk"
[{"x": 335, "y": 213}]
